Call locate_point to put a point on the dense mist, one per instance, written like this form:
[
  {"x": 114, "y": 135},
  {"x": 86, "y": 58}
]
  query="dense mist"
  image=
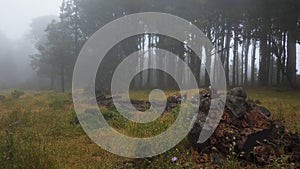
[
  {"x": 15, "y": 70},
  {"x": 17, "y": 41},
  {"x": 15, "y": 56}
]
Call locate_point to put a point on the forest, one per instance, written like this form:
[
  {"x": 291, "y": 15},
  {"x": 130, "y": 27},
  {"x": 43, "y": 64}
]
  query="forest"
[
  {"x": 226, "y": 98},
  {"x": 255, "y": 40}
]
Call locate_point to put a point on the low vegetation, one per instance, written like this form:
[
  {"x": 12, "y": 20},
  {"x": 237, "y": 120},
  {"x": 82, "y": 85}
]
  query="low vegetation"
[{"x": 38, "y": 130}]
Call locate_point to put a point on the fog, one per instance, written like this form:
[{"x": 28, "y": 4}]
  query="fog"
[
  {"x": 22, "y": 23},
  {"x": 16, "y": 44}
]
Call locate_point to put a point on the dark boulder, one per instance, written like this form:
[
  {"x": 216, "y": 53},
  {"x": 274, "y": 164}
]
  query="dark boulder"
[
  {"x": 236, "y": 105},
  {"x": 238, "y": 92},
  {"x": 261, "y": 109}
]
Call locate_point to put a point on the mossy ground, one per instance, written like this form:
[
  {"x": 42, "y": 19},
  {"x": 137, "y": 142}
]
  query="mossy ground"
[{"x": 35, "y": 132}]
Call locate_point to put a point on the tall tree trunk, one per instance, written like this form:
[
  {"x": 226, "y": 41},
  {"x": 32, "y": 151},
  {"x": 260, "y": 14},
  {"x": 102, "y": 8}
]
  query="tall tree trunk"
[
  {"x": 278, "y": 72},
  {"x": 263, "y": 67},
  {"x": 246, "y": 60},
  {"x": 279, "y": 53},
  {"x": 142, "y": 48},
  {"x": 227, "y": 55},
  {"x": 284, "y": 58},
  {"x": 271, "y": 71},
  {"x": 242, "y": 61},
  {"x": 195, "y": 65},
  {"x": 149, "y": 61},
  {"x": 269, "y": 63},
  {"x": 253, "y": 63},
  {"x": 291, "y": 60},
  {"x": 208, "y": 60},
  {"x": 235, "y": 59},
  {"x": 221, "y": 46}
]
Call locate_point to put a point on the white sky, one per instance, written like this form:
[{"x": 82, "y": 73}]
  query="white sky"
[{"x": 16, "y": 15}]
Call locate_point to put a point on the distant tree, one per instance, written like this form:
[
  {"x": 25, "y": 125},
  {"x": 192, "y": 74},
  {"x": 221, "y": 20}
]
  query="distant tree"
[{"x": 38, "y": 27}]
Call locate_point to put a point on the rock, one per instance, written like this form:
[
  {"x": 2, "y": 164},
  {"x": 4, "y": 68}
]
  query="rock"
[
  {"x": 238, "y": 92},
  {"x": 246, "y": 128},
  {"x": 261, "y": 109},
  {"x": 194, "y": 133},
  {"x": 236, "y": 105},
  {"x": 203, "y": 98}
]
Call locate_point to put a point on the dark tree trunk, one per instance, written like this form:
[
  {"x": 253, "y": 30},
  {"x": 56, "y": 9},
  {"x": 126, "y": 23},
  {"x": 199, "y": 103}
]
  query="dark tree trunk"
[
  {"x": 269, "y": 63},
  {"x": 235, "y": 59},
  {"x": 291, "y": 60},
  {"x": 253, "y": 63},
  {"x": 284, "y": 59},
  {"x": 227, "y": 55},
  {"x": 246, "y": 60},
  {"x": 208, "y": 60},
  {"x": 279, "y": 55},
  {"x": 149, "y": 61},
  {"x": 242, "y": 62},
  {"x": 263, "y": 67}
]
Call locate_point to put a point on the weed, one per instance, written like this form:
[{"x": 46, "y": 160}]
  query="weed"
[
  {"x": 21, "y": 153},
  {"x": 232, "y": 157}
]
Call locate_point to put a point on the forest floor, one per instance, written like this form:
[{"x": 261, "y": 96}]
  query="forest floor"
[{"x": 37, "y": 130}]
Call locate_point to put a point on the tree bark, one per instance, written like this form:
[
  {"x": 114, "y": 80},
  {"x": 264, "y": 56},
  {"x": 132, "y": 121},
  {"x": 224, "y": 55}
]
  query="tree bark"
[
  {"x": 291, "y": 60},
  {"x": 227, "y": 55},
  {"x": 253, "y": 63},
  {"x": 263, "y": 67},
  {"x": 208, "y": 60},
  {"x": 246, "y": 60},
  {"x": 235, "y": 60}
]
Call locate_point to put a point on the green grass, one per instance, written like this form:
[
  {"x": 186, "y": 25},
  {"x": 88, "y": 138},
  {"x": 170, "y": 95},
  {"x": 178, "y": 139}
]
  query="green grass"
[{"x": 35, "y": 132}]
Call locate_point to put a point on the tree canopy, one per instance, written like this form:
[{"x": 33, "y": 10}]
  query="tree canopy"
[{"x": 256, "y": 40}]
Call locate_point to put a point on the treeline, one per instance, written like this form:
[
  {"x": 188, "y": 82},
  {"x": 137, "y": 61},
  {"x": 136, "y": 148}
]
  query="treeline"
[{"x": 255, "y": 39}]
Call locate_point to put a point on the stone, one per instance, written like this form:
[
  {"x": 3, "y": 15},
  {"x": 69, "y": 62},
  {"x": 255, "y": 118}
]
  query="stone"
[
  {"x": 261, "y": 109},
  {"x": 236, "y": 105},
  {"x": 238, "y": 92},
  {"x": 244, "y": 127}
]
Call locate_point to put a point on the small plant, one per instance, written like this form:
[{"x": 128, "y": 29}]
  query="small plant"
[
  {"x": 13, "y": 116},
  {"x": 58, "y": 103},
  {"x": 281, "y": 115},
  {"x": 108, "y": 114},
  {"x": 9, "y": 149},
  {"x": 232, "y": 157},
  {"x": 19, "y": 152},
  {"x": 17, "y": 93}
]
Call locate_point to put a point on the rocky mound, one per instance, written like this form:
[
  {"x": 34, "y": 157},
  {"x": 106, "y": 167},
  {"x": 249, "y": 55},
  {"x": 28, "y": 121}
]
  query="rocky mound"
[{"x": 246, "y": 129}]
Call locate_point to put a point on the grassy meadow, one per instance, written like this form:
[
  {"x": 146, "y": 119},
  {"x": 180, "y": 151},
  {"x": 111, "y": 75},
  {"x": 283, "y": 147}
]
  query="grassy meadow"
[{"x": 37, "y": 130}]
